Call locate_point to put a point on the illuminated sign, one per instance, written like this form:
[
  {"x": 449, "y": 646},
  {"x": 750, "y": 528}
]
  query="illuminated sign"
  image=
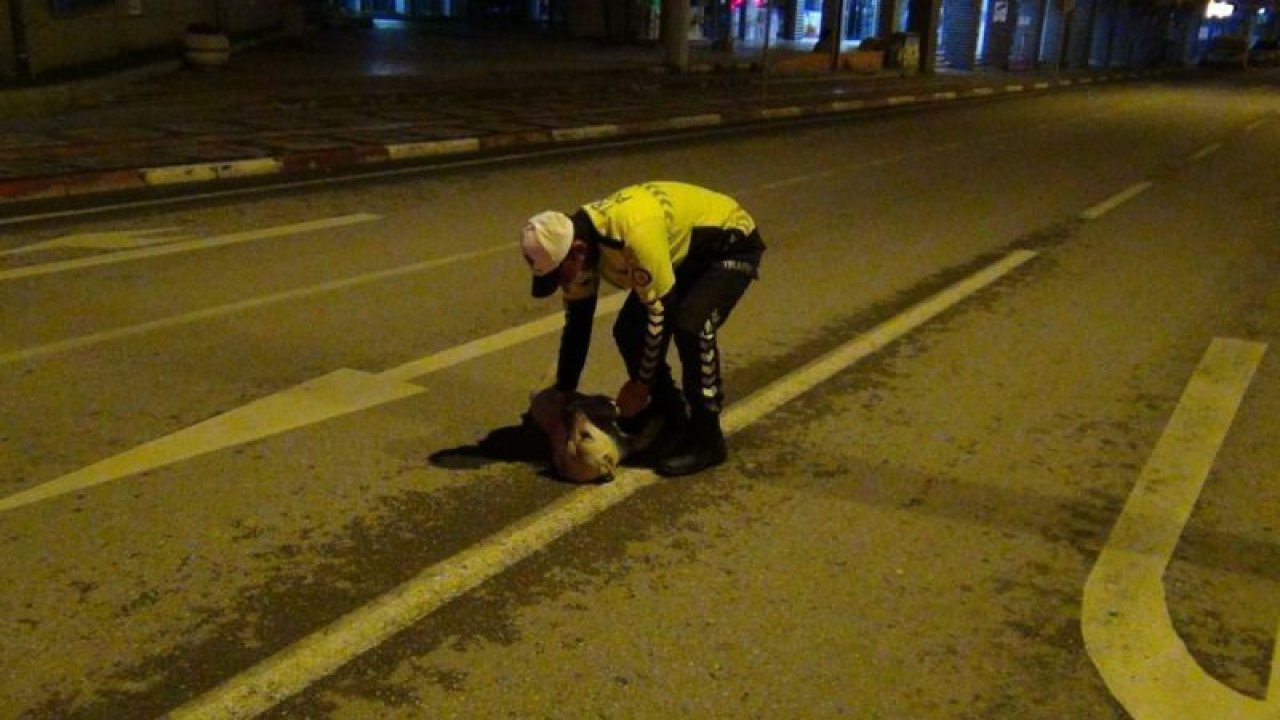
[{"x": 1217, "y": 9}]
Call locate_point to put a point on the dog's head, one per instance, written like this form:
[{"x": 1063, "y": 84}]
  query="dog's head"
[{"x": 590, "y": 454}]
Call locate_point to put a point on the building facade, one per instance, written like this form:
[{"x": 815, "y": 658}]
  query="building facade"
[{"x": 39, "y": 37}]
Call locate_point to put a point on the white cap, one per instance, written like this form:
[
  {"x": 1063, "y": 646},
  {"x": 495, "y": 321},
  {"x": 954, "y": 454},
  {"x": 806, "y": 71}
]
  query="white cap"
[{"x": 545, "y": 241}]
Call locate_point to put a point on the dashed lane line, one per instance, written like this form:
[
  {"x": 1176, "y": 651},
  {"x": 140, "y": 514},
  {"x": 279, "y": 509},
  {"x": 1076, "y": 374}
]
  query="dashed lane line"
[
  {"x": 1115, "y": 201},
  {"x": 1206, "y": 151}
]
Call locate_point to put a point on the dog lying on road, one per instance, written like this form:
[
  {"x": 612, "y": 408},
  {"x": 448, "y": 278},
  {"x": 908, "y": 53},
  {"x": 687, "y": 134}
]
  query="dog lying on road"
[{"x": 587, "y": 443}]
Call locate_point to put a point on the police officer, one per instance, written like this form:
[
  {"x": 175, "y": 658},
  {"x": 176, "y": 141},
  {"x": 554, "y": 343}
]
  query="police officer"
[{"x": 687, "y": 254}]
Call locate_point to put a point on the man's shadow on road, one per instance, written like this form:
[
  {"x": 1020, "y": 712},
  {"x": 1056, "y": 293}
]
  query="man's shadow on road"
[{"x": 514, "y": 443}]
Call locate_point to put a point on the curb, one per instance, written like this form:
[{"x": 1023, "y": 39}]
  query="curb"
[{"x": 309, "y": 162}]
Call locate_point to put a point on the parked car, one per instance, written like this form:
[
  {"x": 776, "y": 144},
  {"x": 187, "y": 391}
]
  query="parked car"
[
  {"x": 1265, "y": 52},
  {"x": 1226, "y": 51}
]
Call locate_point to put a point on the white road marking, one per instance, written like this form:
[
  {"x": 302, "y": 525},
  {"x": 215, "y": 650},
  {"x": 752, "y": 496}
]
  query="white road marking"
[
  {"x": 111, "y": 240},
  {"x": 1128, "y": 631},
  {"x": 1206, "y": 151},
  {"x": 298, "y": 666},
  {"x": 1115, "y": 201},
  {"x": 1257, "y": 124},
  {"x": 187, "y": 246},
  {"x": 84, "y": 341},
  {"x": 337, "y": 393},
  {"x": 324, "y": 398}
]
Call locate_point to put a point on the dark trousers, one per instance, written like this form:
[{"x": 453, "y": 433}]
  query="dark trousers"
[{"x": 708, "y": 286}]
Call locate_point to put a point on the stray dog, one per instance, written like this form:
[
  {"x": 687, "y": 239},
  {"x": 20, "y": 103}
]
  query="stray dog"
[{"x": 587, "y": 442}]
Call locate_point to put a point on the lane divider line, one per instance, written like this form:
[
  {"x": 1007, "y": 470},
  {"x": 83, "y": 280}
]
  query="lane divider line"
[
  {"x": 300, "y": 665},
  {"x": 1115, "y": 201}
]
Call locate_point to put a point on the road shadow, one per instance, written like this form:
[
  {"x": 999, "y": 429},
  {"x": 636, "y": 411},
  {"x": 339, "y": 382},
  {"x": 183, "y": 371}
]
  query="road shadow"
[{"x": 523, "y": 442}]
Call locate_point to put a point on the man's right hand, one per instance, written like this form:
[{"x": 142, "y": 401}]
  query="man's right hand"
[{"x": 633, "y": 398}]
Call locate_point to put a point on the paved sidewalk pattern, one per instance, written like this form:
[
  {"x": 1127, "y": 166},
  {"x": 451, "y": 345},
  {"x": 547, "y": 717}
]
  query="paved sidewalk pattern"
[{"x": 331, "y": 101}]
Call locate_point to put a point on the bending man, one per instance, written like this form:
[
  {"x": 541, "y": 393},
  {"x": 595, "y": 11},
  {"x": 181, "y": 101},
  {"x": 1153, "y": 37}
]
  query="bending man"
[{"x": 687, "y": 254}]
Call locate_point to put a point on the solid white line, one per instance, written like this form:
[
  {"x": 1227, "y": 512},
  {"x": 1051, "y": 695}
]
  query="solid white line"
[
  {"x": 298, "y": 666},
  {"x": 84, "y": 341},
  {"x": 188, "y": 246},
  {"x": 1125, "y": 618},
  {"x": 1115, "y": 201},
  {"x": 1206, "y": 151}
]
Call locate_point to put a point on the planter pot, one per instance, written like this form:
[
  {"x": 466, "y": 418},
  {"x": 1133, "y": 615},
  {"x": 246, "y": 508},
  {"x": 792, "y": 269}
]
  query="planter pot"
[
  {"x": 867, "y": 62},
  {"x": 206, "y": 49}
]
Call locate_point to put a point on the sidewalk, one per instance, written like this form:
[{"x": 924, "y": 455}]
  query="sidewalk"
[{"x": 337, "y": 99}]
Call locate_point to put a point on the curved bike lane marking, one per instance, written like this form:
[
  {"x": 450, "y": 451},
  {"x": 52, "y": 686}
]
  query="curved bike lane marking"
[{"x": 1128, "y": 631}]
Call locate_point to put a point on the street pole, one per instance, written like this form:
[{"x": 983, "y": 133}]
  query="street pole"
[
  {"x": 675, "y": 33},
  {"x": 837, "y": 35},
  {"x": 21, "y": 46},
  {"x": 764, "y": 51},
  {"x": 1064, "y": 35}
]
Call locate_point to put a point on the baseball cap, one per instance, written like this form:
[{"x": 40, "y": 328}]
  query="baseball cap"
[{"x": 545, "y": 242}]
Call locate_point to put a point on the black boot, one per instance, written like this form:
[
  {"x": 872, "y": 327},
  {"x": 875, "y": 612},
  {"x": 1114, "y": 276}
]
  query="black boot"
[
  {"x": 668, "y": 405},
  {"x": 703, "y": 447}
]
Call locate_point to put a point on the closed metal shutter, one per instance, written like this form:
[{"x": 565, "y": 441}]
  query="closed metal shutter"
[
  {"x": 1051, "y": 38},
  {"x": 958, "y": 43},
  {"x": 1081, "y": 37},
  {"x": 1025, "y": 53},
  {"x": 1100, "y": 44}
]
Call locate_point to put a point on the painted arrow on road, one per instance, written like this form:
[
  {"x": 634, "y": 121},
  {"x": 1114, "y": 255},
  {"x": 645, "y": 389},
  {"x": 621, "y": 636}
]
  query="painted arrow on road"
[
  {"x": 339, "y": 393},
  {"x": 1128, "y": 630}
]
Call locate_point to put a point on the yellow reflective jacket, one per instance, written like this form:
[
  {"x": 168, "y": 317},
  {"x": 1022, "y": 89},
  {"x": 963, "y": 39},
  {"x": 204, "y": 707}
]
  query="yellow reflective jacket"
[{"x": 647, "y": 230}]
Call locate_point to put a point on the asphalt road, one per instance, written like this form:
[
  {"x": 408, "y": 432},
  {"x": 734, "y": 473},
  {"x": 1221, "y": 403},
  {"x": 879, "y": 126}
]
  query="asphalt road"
[{"x": 985, "y": 337}]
